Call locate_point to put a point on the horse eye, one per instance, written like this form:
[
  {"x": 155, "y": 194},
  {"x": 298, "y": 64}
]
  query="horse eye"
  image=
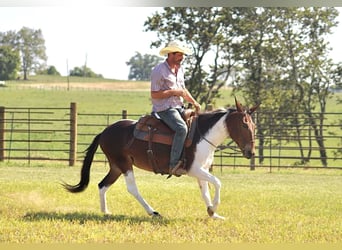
[{"x": 244, "y": 125}]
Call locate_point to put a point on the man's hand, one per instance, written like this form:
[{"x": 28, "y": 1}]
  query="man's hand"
[{"x": 197, "y": 107}]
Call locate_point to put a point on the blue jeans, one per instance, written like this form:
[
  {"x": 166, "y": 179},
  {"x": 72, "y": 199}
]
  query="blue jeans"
[{"x": 172, "y": 117}]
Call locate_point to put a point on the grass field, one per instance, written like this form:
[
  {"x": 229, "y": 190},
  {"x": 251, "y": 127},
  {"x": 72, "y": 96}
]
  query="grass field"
[{"x": 283, "y": 207}]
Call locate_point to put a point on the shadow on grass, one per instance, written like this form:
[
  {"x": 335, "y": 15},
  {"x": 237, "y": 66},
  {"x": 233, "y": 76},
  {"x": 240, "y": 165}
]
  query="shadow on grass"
[{"x": 81, "y": 218}]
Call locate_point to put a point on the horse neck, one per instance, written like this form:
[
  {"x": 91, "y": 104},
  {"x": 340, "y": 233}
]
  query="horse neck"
[{"x": 214, "y": 128}]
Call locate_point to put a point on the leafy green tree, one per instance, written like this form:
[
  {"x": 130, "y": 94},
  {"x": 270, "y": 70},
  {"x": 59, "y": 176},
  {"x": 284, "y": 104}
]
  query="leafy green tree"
[
  {"x": 277, "y": 56},
  {"x": 31, "y": 46},
  {"x": 285, "y": 66},
  {"x": 200, "y": 28},
  {"x": 337, "y": 76},
  {"x": 317, "y": 71},
  {"x": 141, "y": 66},
  {"x": 9, "y": 63},
  {"x": 51, "y": 70},
  {"x": 84, "y": 72}
]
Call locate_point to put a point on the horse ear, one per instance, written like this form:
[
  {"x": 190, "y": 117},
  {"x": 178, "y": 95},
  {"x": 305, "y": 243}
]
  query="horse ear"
[
  {"x": 251, "y": 110},
  {"x": 238, "y": 105}
]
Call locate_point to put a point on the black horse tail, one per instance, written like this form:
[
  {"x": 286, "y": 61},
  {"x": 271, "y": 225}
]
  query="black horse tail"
[{"x": 85, "y": 171}]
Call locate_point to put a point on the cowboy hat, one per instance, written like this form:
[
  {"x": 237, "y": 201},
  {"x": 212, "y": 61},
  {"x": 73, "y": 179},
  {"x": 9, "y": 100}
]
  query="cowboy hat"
[{"x": 175, "y": 46}]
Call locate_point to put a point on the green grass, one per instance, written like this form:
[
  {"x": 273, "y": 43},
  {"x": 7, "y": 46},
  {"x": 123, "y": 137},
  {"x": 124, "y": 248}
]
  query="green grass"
[
  {"x": 88, "y": 101},
  {"x": 55, "y": 79},
  {"x": 282, "y": 207}
]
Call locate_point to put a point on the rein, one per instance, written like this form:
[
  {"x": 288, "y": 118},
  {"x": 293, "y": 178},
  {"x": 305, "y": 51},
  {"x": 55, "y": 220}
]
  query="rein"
[{"x": 212, "y": 144}]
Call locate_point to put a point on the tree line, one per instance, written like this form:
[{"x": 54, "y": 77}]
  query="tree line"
[
  {"x": 24, "y": 51},
  {"x": 276, "y": 56}
]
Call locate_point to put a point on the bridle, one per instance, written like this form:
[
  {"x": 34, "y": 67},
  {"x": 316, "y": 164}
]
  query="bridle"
[
  {"x": 229, "y": 111},
  {"x": 248, "y": 121}
]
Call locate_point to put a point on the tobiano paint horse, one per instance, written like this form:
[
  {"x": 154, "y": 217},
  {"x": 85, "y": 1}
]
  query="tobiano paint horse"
[{"x": 123, "y": 151}]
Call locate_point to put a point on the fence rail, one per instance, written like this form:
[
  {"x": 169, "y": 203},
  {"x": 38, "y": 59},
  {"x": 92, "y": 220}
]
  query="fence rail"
[{"x": 62, "y": 134}]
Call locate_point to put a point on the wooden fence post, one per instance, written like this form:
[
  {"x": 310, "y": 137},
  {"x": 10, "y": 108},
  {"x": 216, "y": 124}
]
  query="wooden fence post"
[
  {"x": 124, "y": 114},
  {"x": 2, "y": 133},
  {"x": 252, "y": 164},
  {"x": 73, "y": 134}
]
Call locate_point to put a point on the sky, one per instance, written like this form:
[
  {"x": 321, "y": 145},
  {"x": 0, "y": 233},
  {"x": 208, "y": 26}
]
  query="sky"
[{"x": 105, "y": 37}]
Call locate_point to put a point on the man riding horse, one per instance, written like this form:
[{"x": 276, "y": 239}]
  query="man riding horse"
[{"x": 168, "y": 92}]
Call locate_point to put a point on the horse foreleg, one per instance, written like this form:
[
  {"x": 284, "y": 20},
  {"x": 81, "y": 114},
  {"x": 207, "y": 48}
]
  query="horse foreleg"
[
  {"x": 133, "y": 190},
  {"x": 203, "y": 176},
  {"x": 203, "y": 185}
]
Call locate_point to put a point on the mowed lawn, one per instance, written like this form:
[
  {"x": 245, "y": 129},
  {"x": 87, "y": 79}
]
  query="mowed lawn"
[{"x": 288, "y": 206}]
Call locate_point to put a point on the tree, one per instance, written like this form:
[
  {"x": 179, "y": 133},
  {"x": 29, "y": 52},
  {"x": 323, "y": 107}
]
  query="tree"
[
  {"x": 141, "y": 66},
  {"x": 9, "y": 63},
  {"x": 201, "y": 28},
  {"x": 317, "y": 71},
  {"x": 84, "y": 72},
  {"x": 286, "y": 67},
  {"x": 277, "y": 56},
  {"x": 337, "y": 75},
  {"x": 51, "y": 70},
  {"x": 31, "y": 46}
]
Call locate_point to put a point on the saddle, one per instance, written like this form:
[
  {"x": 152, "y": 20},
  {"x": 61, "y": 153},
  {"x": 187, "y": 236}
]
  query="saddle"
[{"x": 153, "y": 130}]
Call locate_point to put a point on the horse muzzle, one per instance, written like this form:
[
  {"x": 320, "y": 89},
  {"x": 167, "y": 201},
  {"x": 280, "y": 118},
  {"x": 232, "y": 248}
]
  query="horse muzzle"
[
  {"x": 248, "y": 151},
  {"x": 248, "y": 154}
]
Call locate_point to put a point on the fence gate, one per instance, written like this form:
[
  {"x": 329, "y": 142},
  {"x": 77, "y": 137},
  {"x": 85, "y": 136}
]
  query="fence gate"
[{"x": 38, "y": 134}]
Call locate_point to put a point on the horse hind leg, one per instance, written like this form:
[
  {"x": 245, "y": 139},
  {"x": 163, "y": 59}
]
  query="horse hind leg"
[
  {"x": 108, "y": 180},
  {"x": 133, "y": 190}
]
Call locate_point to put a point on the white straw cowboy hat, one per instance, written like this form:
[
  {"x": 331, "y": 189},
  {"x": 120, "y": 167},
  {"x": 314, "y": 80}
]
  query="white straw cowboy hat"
[{"x": 175, "y": 46}]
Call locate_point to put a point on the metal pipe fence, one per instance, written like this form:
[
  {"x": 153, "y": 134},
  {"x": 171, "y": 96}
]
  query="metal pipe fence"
[{"x": 62, "y": 135}]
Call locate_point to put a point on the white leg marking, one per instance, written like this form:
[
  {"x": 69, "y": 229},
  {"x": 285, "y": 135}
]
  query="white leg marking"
[
  {"x": 203, "y": 185},
  {"x": 103, "y": 201},
  {"x": 203, "y": 176},
  {"x": 133, "y": 189}
]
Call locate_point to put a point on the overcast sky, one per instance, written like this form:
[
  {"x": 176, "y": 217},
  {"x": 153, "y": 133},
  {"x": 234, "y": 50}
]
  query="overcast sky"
[{"x": 106, "y": 36}]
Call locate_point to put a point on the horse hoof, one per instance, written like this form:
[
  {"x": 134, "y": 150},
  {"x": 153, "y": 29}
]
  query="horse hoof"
[
  {"x": 210, "y": 211},
  {"x": 215, "y": 216},
  {"x": 156, "y": 215}
]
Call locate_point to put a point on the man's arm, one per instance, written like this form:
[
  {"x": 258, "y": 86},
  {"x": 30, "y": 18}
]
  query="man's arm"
[
  {"x": 167, "y": 93},
  {"x": 188, "y": 97}
]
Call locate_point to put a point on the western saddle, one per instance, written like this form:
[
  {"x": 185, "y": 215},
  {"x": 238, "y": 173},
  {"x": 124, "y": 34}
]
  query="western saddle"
[{"x": 152, "y": 129}]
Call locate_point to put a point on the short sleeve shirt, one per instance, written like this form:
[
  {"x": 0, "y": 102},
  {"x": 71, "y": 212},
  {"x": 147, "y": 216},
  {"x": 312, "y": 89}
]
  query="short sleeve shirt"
[{"x": 162, "y": 78}]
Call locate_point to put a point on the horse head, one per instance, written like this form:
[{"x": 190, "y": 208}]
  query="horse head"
[{"x": 241, "y": 128}]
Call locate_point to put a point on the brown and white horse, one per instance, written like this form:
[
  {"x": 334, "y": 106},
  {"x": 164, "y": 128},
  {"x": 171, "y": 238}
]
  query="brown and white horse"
[{"x": 123, "y": 151}]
